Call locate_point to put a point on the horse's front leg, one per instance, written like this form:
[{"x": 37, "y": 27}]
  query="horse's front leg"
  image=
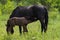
[
  {"x": 9, "y": 30},
  {"x": 12, "y": 31},
  {"x": 20, "y": 29}
]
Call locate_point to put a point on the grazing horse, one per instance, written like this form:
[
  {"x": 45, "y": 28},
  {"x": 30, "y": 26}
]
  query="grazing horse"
[
  {"x": 32, "y": 13},
  {"x": 20, "y": 21}
]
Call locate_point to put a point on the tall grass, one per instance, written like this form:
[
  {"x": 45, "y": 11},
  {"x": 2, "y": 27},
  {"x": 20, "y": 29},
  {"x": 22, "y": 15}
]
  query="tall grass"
[{"x": 53, "y": 32}]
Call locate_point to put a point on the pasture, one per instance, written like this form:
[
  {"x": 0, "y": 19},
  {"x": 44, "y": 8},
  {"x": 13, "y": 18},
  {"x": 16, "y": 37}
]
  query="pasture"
[{"x": 34, "y": 30}]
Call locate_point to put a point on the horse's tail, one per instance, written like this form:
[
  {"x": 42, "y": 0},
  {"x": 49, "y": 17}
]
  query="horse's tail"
[{"x": 46, "y": 17}]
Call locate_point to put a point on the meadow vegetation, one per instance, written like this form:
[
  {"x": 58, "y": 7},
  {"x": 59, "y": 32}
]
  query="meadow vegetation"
[{"x": 53, "y": 32}]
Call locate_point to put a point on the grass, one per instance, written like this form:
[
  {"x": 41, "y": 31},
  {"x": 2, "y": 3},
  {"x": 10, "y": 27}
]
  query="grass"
[{"x": 53, "y": 32}]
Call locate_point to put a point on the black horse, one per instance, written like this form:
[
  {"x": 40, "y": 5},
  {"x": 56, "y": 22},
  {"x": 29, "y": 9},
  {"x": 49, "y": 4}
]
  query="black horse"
[{"x": 32, "y": 13}]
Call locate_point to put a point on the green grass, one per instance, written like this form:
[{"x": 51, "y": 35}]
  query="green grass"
[{"x": 53, "y": 32}]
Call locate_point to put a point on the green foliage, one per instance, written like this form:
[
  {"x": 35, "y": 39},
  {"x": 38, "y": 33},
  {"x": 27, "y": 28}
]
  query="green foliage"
[
  {"x": 53, "y": 32},
  {"x": 17, "y": 1},
  {"x": 0, "y": 12},
  {"x": 34, "y": 29},
  {"x": 3, "y": 1},
  {"x": 7, "y": 6},
  {"x": 0, "y": 9}
]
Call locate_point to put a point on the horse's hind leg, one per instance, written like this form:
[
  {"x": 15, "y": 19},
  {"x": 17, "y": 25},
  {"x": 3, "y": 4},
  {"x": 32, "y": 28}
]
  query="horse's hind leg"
[
  {"x": 46, "y": 19},
  {"x": 45, "y": 29},
  {"x": 46, "y": 22},
  {"x": 42, "y": 25},
  {"x": 25, "y": 28},
  {"x": 20, "y": 29}
]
